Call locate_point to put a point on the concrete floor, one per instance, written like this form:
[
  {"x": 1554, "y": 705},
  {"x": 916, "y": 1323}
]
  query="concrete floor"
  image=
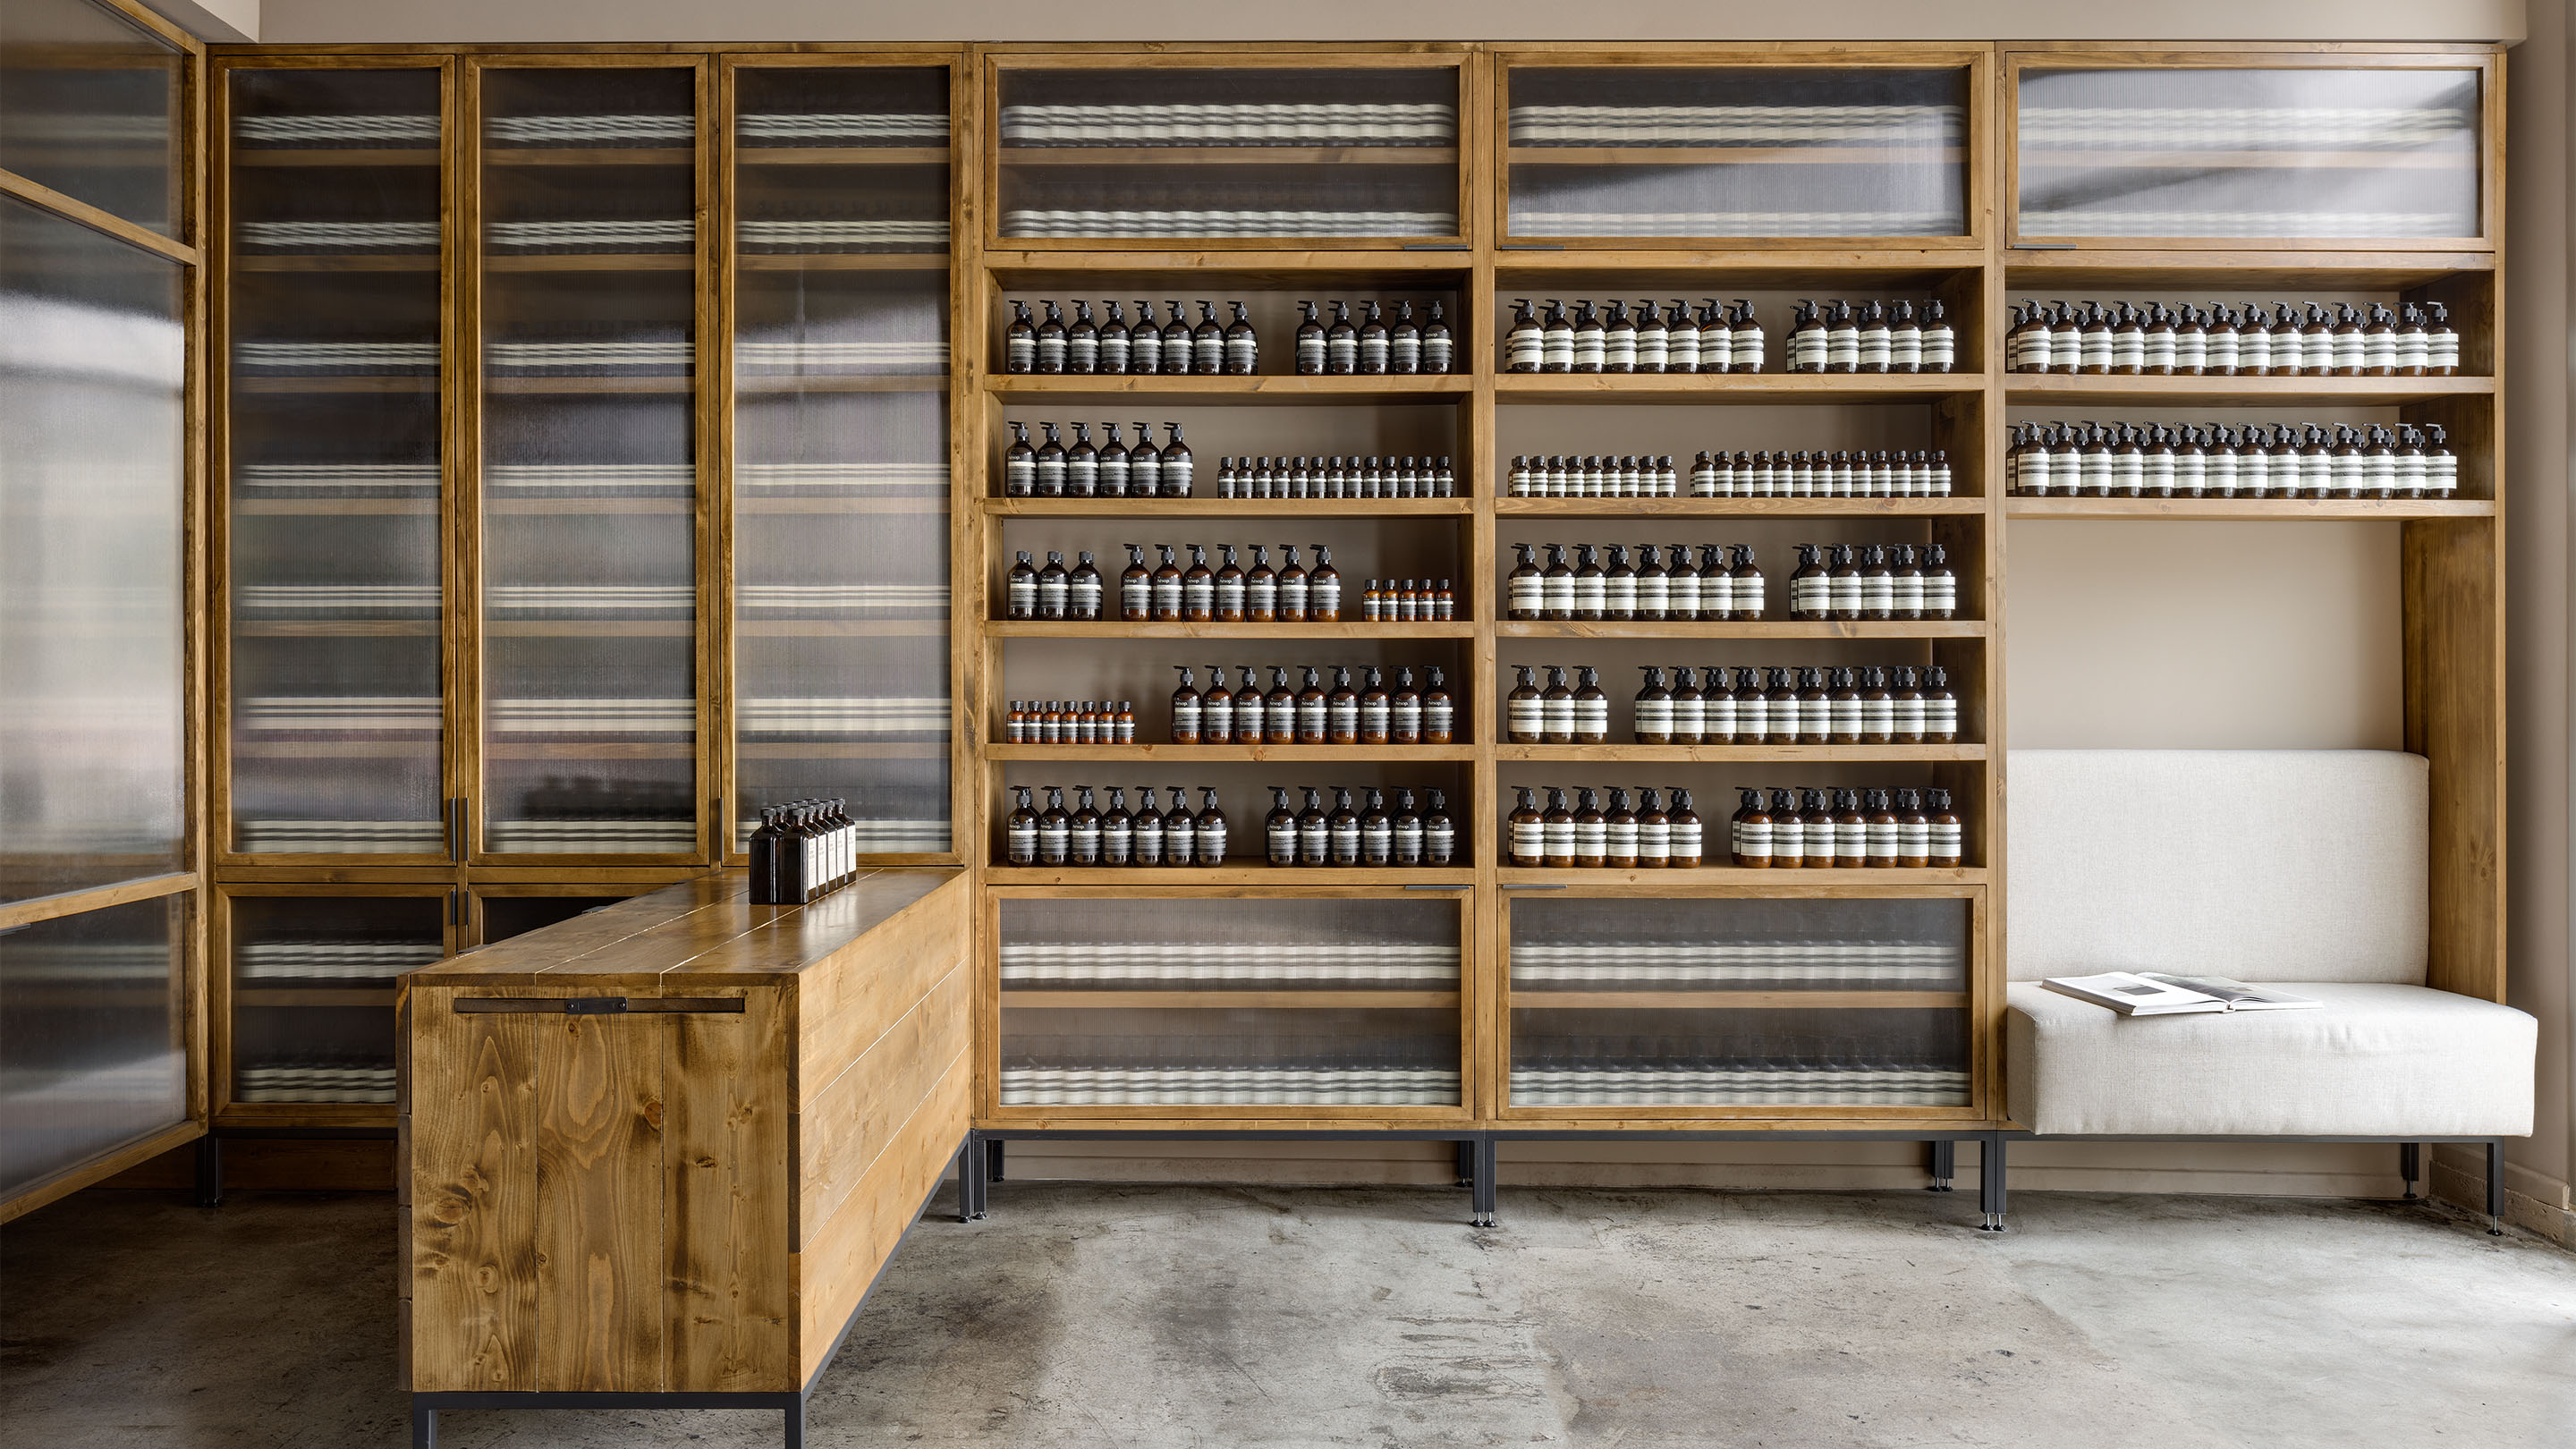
[{"x": 1083, "y": 1315}]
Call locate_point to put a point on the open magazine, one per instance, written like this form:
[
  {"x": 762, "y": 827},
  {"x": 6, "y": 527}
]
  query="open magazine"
[{"x": 2158, "y": 993}]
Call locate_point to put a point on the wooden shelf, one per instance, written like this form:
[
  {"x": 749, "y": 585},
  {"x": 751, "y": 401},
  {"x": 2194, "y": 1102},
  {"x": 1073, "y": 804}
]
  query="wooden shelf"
[
  {"x": 1117, "y": 878},
  {"x": 257, "y": 156},
  {"x": 791, "y": 506},
  {"x": 773, "y": 385},
  {"x": 335, "y": 262},
  {"x": 1743, "y": 629},
  {"x": 2046, "y": 159},
  {"x": 505, "y": 157},
  {"x": 1228, "y": 155},
  {"x": 834, "y": 750},
  {"x": 1890, "y": 156},
  {"x": 1219, "y": 754},
  {"x": 2345, "y": 269},
  {"x": 747, "y": 261},
  {"x": 1260, "y": 388},
  {"x": 1066, "y": 629},
  {"x": 591, "y": 385},
  {"x": 1206, "y": 507},
  {"x": 589, "y": 628},
  {"x": 335, "y": 383},
  {"x": 1723, "y": 1000},
  {"x": 1110, "y": 998},
  {"x": 335, "y": 507},
  {"x": 2250, "y": 509},
  {"x": 1855, "y": 883},
  {"x": 1951, "y": 507},
  {"x": 589, "y": 262},
  {"x": 1732, "y": 754},
  {"x": 327, "y": 628},
  {"x": 510, "y": 747},
  {"x": 840, "y": 155},
  {"x": 2024, "y": 389},
  {"x": 840, "y": 628},
  {"x": 1694, "y": 387}
]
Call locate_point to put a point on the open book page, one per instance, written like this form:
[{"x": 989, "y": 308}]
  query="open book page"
[
  {"x": 2134, "y": 994},
  {"x": 2237, "y": 995}
]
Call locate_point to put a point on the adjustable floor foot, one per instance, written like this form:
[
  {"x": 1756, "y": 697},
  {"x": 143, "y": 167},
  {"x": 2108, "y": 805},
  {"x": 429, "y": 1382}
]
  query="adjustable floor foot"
[
  {"x": 1481, "y": 1178},
  {"x": 970, "y": 1184},
  {"x": 1466, "y": 1161},
  {"x": 1990, "y": 1182},
  {"x": 210, "y": 1171},
  {"x": 2495, "y": 1187},
  {"x": 2410, "y": 1166},
  {"x": 1943, "y": 1164}
]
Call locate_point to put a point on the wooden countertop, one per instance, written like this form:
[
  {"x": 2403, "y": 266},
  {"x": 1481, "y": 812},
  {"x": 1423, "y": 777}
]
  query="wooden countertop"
[{"x": 700, "y": 933}]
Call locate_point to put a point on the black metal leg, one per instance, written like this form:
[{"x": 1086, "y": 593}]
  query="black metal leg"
[
  {"x": 796, "y": 1425},
  {"x": 1482, "y": 1180},
  {"x": 1990, "y": 1183},
  {"x": 2410, "y": 1166},
  {"x": 2495, "y": 1187},
  {"x": 1944, "y": 1164},
  {"x": 970, "y": 1178},
  {"x": 424, "y": 1426},
  {"x": 210, "y": 1171},
  {"x": 1466, "y": 1161},
  {"x": 993, "y": 1160}
]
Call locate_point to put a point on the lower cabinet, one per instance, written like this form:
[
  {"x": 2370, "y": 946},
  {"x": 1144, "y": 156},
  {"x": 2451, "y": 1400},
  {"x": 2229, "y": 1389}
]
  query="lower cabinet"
[{"x": 309, "y": 988}]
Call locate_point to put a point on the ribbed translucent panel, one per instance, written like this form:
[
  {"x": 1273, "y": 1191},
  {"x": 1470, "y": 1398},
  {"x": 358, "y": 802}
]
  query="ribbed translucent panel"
[
  {"x": 2382, "y": 154},
  {"x": 841, "y": 363},
  {"x": 338, "y": 603},
  {"x": 507, "y": 916},
  {"x": 1718, "y": 152},
  {"x": 90, "y": 105},
  {"x": 93, "y": 1013},
  {"x": 1241, "y": 152},
  {"x": 589, "y": 462},
  {"x": 1727, "y": 1023},
  {"x": 1090, "y": 1016},
  {"x": 313, "y": 991},
  {"x": 92, "y": 361}
]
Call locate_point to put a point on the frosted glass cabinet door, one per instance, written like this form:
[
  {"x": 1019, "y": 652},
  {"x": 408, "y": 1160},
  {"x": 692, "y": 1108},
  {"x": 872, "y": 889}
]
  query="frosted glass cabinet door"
[
  {"x": 2283, "y": 154},
  {"x": 840, "y": 479},
  {"x": 313, "y": 981},
  {"x": 589, "y": 462},
  {"x": 1708, "y": 152},
  {"x": 90, "y": 105},
  {"x": 337, "y": 602},
  {"x": 1281, "y": 151},
  {"x": 93, "y": 1011},
  {"x": 92, "y": 360}
]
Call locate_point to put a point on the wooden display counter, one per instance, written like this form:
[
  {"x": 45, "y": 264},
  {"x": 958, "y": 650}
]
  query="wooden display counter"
[{"x": 659, "y": 1152}]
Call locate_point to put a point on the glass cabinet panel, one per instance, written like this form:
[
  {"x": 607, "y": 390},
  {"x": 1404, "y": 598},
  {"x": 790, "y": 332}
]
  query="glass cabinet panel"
[
  {"x": 840, "y": 482},
  {"x": 1702, "y": 152},
  {"x": 1740, "y": 1003},
  {"x": 337, "y": 602},
  {"x": 1240, "y": 151},
  {"x": 93, "y": 359},
  {"x": 313, "y": 991},
  {"x": 505, "y": 916},
  {"x": 1121, "y": 1002},
  {"x": 90, "y": 105},
  {"x": 2382, "y": 155},
  {"x": 589, "y": 451},
  {"x": 94, "y": 1012}
]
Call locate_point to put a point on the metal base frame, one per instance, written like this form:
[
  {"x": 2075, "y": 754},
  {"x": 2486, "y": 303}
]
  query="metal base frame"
[
  {"x": 2410, "y": 1162},
  {"x": 209, "y": 1187},
  {"x": 979, "y": 1162},
  {"x": 425, "y": 1407}
]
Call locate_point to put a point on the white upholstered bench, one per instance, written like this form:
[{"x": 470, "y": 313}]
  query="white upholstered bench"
[{"x": 2303, "y": 868}]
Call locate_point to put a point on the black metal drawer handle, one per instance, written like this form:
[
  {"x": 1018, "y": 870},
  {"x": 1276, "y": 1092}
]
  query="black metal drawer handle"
[{"x": 598, "y": 1005}]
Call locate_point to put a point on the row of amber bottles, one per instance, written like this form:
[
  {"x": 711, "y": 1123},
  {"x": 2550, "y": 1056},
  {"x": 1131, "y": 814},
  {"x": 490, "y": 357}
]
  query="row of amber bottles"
[
  {"x": 1873, "y": 581},
  {"x": 2294, "y": 340},
  {"x": 1089, "y": 722},
  {"x": 1408, "y": 601},
  {"x": 1805, "y": 705},
  {"x": 1871, "y": 337},
  {"x": 1109, "y": 470},
  {"x": 1582, "y": 833},
  {"x": 1111, "y": 345},
  {"x": 1087, "y": 835},
  {"x": 1594, "y": 475},
  {"x": 1367, "y": 713},
  {"x": 1845, "y": 829},
  {"x": 2282, "y": 460},
  {"x": 802, "y": 851},
  {"x": 1375, "y": 476},
  {"x": 1368, "y": 835},
  {"x": 1608, "y": 339},
  {"x": 1723, "y": 585},
  {"x": 1373, "y": 346},
  {"x": 1225, "y": 593}
]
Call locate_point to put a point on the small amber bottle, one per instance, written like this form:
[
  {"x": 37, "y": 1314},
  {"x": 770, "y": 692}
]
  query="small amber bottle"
[
  {"x": 1619, "y": 833},
  {"x": 1556, "y": 827},
  {"x": 1913, "y": 831},
  {"x": 1342, "y": 710},
  {"x": 1591, "y": 708},
  {"x": 1524, "y": 710},
  {"x": 1818, "y": 819},
  {"x": 1851, "y": 831},
  {"x": 1591, "y": 832},
  {"x": 1375, "y": 713},
  {"x": 1654, "y": 833},
  {"x": 1311, "y": 709},
  {"x": 1439, "y": 711},
  {"x": 1880, "y": 826}
]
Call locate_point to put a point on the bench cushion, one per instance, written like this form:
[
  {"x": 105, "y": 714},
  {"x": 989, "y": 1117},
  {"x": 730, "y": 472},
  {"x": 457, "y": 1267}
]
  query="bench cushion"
[
  {"x": 2264, "y": 865},
  {"x": 2375, "y": 1061}
]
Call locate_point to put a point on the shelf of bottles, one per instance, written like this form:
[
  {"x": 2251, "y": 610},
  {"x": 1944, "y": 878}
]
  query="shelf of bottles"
[
  {"x": 96, "y": 1008},
  {"x": 2315, "y": 155},
  {"x": 1703, "y": 1006},
  {"x": 313, "y": 978},
  {"x": 1288, "y": 151},
  {"x": 589, "y": 461},
  {"x": 840, "y": 483},
  {"x": 336, "y": 564},
  {"x": 1268, "y": 1005},
  {"x": 1692, "y": 153}
]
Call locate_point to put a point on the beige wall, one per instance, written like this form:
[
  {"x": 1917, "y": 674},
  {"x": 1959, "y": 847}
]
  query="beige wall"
[{"x": 496, "y": 21}]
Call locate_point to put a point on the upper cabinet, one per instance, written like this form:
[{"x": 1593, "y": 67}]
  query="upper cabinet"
[
  {"x": 94, "y": 106},
  {"x": 2292, "y": 150},
  {"x": 1275, "y": 148},
  {"x": 1793, "y": 148}
]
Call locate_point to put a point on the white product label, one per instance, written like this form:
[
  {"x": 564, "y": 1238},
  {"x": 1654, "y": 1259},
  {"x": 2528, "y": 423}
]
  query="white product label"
[
  {"x": 1940, "y": 714},
  {"x": 1711, "y": 720},
  {"x": 1843, "y": 593},
  {"x": 1198, "y": 596},
  {"x": 2159, "y": 350},
  {"x": 1908, "y": 724},
  {"x": 1373, "y": 717},
  {"x": 1654, "y": 595},
  {"x": 1946, "y": 845},
  {"x": 1591, "y": 837},
  {"x": 1753, "y": 839},
  {"x": 2223, "y": 352},
  {"x": 1619, "y": 593},
  {"x": 2190, "y": 351},
  {"x": 1557, "y": 594},
  {"x": 1529, "y": 839},
  {"x": 1592, "y": 716},
  {"x": 1310, "y": 718},
  {"x": 1590, "y": 594},
  {"x": 1021, "y": 597},
  {"x": 1810, "y": 594},
  {"x": 1655, "y": 716},
  {"x": 1843, "y": 714},
  {"x": 1557, "y": 716},
  {"x": 1529, "y": 595},
  {"x": 1752, "y": 717},
  {"x": 1559, "y": 835},
  {"x": 1023, "y": 842},
  {"x": 1654, "y": 842},
  {"x": 1882, "y": 842},
  {"x": 1807, "y": 350},
  {"x": 2350, "y": 351},
  {"x": 1913, "y": 837},
  {"x": 1682, "y": 596},
  {"x": 1685, "y": 837}
]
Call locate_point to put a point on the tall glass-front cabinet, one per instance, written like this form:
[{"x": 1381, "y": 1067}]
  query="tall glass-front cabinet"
[{"x": 584, "y": 472}]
